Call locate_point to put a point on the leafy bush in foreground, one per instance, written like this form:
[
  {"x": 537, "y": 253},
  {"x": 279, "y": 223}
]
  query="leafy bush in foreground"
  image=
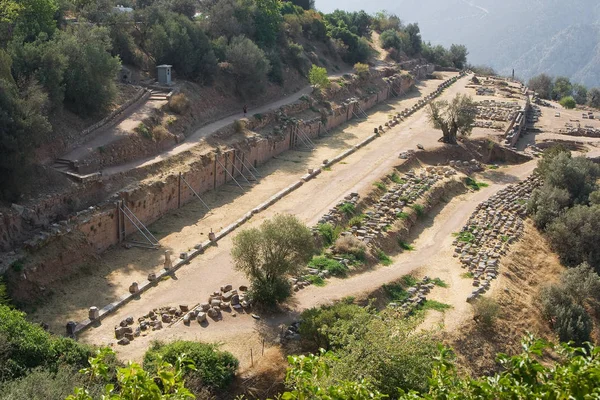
[{"x": 213, "y": 368}]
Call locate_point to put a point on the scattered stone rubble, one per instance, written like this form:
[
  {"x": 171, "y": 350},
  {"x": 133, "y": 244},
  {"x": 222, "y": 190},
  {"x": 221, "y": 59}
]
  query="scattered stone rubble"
[
  {"x": 336, "y": 215},
  {"x": 497, "y": 110},
  {"x": 226, "y": 298},
  {"x": 467, "y": 167},
  {"x": 417, "y": 295},
  {"x": 492, "y": 228},
  {"x": 385, "y": 211}
]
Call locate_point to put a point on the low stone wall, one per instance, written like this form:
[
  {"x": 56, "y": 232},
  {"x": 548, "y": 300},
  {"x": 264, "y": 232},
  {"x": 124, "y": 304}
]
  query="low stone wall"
[{"x": 517, "y": 125}]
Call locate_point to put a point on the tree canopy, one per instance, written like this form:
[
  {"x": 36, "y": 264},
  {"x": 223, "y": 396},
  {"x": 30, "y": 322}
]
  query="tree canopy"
[{"x": 453, "y": 117}]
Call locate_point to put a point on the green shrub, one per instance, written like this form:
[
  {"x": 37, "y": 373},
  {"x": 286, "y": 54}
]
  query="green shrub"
[
  {"x": 409, "y": 280},
  {"x": 328, "y": 233},
  {"x": 239, "y": 126},
  {"x": 214, "y": 368},
  {"x": 486, "y": 311},
  {"x": 382, "y": 257},
  {"x": 572, "y": 323},
  {"x": 395, "y": 291},
  {"x": 380, "y": 186},
  {"x": 333, "y": 266},
  {"x": 439, "y": 282},
  {"x": 396, "y": 179},
  {"x": 317, "y": 76},
  {"x": 473, "y": 184},
  {"x": 419, "y": 209},
  {"x": 315, "y": 280},
  {"x": 248, "y": 66},
  {"x": 465, "y": 236},
  {"x": 405, "y": 246},
  {"x": 143, "y": 130},
  {"x": 25, "y": 346},
  {"x": 348, "y": 209},
  {"x": 568, "y": 102},
  {"x": 402, "y": 215},
  {"x": 436, "y": 305},
  {"x": 362, "y": 70},
  {"x": 356, "y": 220},
  {"x": 42, "y": 384}
]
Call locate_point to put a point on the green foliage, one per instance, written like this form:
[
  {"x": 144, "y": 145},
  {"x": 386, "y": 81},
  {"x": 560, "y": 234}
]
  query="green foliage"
[
  {"x": 454, "y": 117},
  {"x": 405, "y": 246},
  {"x": 382, "y": 257},
  {"x": 409, "y": 280},
  {"x": 304, "y": 369},
  {"x": 395, "y": 291},
  {"x": 176, "y": 40},
  {"x": 465, "y": 236},
  {"x": 467, "y": 275},
  {"x": 25, "y": 346},
  {"x": 315, "y": 280},
  {"x": 458, "y": 55},
  {"x": 317, "y": 76},
  {"x": 4, "y": 297},
  {"x": 356, "y": 220},
  {"x": 562, "y": 89},
  {"x": 546, "y": 204},
  {"x": 396, "y": 179},
  {"x": 362, "y": 70},
  {"x": 574, "y": 235},
  {"x": 334, "y": 267},
  {"x": 267, "y": 21},
  {"x": 328, "y": 233},
  {"x": 473, "y": 184},
  {"x": 380, "y": 186},
  {"x": 568, "y": 102},
  {"x": 23, "y": 124},
  {"x": 580, "y": 93},
  {"x": 143, "y": 131},
  {"x": 542, "y": 84},
  {"x": 90, "y": 78},
  {"x": 248, "y": 66},
  {"x": 30, "y": 17},
  {"x": 391, "y": 39},
  {"x": 41, "y": 384},
  {"x": 419, "y": 209},
  {"x": 270, "y": 254},
  {"x": 321, "y": 327},
  {"x": 523, "y": 376},
  {"x": 565, "y": 303},
  {"x": 351, "y": 247},
  {"x": 436, "y": 306},
  {"x": 132, "y": 382},
  {"x": 593, "y": 98},
  {"x": 402, "y": 215},
  {"x": 486, "y": 311},
  {"x": 348, "y": 209},
  {"x": 439, "y": 282},
  {"x": 214, "y": 368}
]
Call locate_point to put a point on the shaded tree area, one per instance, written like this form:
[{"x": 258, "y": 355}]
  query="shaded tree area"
[
  {"x": 563, "y": 90},
  {"x": 453, "y": 117}
]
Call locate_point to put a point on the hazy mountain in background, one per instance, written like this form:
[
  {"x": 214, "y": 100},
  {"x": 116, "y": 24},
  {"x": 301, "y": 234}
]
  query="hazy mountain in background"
[{"x": 559, "y": 37}]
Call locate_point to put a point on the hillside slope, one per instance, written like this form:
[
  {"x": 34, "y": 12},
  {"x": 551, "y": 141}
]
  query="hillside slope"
[{"x": 531, "y": 36}]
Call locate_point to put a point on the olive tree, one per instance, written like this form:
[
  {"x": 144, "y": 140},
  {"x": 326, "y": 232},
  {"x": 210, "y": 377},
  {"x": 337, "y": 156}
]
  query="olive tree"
[
  {"x": 453, "y": 117},
  {"x": 270, "y": 254}
]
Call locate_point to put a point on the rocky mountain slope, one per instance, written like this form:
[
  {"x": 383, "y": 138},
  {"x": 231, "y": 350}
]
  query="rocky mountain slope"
[{"x": 531, "y": 36}]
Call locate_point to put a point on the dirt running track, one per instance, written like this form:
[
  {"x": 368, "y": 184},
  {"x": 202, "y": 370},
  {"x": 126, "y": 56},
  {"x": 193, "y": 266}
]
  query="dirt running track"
[{"x": 207, "y": 273}]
